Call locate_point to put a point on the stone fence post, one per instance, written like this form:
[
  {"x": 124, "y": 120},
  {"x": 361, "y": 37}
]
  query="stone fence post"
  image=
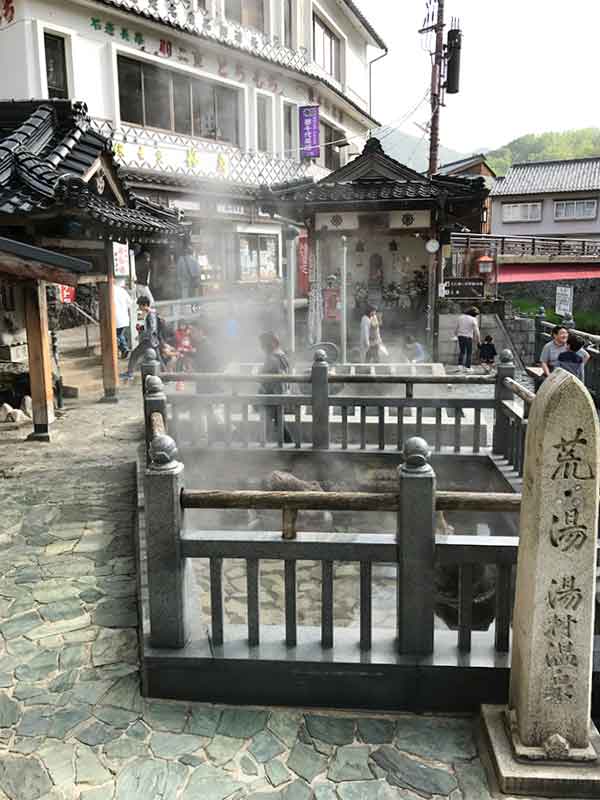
[
  {"x": 168, "y": 574},
  {"x": 506, "y": 369},
  {"x": 416, "y": 548},
  {"x": 155, "y": 399},
  {"x": 150, "y": 366},
  {"x": 320, "y": 401},
  {"x": 540, "y": 318}
]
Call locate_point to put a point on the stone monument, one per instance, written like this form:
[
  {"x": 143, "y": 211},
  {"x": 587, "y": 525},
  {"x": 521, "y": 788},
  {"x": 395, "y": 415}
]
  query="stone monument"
[{"x": 544, "y": 742}]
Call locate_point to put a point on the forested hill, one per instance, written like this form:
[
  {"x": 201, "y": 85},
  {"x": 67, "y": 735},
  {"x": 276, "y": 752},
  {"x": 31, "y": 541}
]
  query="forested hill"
[{"x": 545, "y": 147}]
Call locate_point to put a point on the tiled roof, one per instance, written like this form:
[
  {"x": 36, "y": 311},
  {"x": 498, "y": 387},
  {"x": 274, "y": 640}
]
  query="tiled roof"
[
  {"x": 369, "y": 189},
  {"x": 46, "y": 147},
  {"x": 546, "y": 177},
  {"x": 462, "y": 163}
]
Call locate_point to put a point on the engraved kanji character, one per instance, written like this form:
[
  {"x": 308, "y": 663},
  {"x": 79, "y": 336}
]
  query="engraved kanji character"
[
  {"x": 125, "y": 34},
  {"x": 561, "y": 689},
  {"x": 564, "y": 593},
  {"x": 109, "y": 28},
  {"x": 572, "y": 535},
  {"x": 96, "y": 23},
  {"x": 561, "y": 654},
  {"x": 570, "y": 459},
  {"x": 560, "y": 626}
]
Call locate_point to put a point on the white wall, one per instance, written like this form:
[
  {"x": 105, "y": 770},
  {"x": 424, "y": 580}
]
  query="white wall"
[
  {"x": 17, "y": 74},
  {"x": 547, "y": 226}
]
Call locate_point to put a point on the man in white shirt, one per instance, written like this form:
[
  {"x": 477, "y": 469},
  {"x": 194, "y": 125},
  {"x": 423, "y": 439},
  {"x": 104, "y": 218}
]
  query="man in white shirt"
[
  {"x": 467, "y": 333},
  {"x": 122, "y": 300}
]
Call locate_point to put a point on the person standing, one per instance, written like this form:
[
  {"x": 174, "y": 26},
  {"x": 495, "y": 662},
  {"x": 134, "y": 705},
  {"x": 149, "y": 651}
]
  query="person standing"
[
  {"x": 142, "y": 281},
  {"x": 572, "y": 358},
  {"x": 275, "y": 363},
  {"x": 149, "y": 337},
  {"x": 467, "y": 333},
  {"x": 188, "y": 273},
  {"x": 370, "y": 336},
  {"x": 122, "y": 301},
  {"x": 549, "y": 357}
]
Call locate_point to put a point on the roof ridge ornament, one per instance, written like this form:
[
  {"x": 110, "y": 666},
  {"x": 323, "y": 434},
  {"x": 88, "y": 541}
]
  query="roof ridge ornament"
[{"x": 373, "y": 145}]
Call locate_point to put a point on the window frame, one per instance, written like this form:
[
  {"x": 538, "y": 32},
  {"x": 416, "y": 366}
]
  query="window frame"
[
  {"x": 245, "y": 24},
  {"x": 292, "y": 152},
  {"x": 52, "y": 34},
  {"x": 576, "y": 217},
  {"x": 258, "y": 236},
  {"x": 335, "y": 54},
  {"x": 268, "y": 98},
  {"x": 287, "y": 23},
  {"x": 191, "y": 78},
  {"x": 529, "y": 204},
  {"x": 328, "y": 151}
]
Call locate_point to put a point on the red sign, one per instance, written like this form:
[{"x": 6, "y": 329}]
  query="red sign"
[
  {"x": 302, "y": 281},
  {"x": 67, "y": 293}
]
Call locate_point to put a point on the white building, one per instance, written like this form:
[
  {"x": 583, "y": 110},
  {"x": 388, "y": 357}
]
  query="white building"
[{"x": 202, "y": 98}]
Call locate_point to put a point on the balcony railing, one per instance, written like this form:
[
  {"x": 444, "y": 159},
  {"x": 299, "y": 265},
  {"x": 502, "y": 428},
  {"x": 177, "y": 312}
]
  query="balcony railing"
[
  {"x": 172, "y": 153},
  {"x": 525, "y": 245}
]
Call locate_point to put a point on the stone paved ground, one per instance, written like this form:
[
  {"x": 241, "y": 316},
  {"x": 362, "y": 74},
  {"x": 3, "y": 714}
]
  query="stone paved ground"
[{"x": 72, "y": 721}]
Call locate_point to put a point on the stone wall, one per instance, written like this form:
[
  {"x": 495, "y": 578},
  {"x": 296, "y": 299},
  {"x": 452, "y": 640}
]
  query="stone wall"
[
  {"x": 586, "y": 296},
  {"x": 522, "y": 333}
]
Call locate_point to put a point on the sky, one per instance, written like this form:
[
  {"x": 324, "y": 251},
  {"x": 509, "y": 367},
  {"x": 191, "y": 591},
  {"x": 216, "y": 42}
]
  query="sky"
[{"x": 527, "y": 66}]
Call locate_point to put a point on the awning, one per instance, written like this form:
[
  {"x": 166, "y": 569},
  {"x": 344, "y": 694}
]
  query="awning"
[{"x": 523, "y": 273}]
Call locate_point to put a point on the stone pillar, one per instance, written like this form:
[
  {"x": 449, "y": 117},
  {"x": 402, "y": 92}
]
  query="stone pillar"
[
  {"x": 320, "y": 401},
  {"x": 506, "y": 369},
  {"x": 548, "y": 718},
  {"x": 108, "y": 333},
  {"x": 168, "y": 573},
  {"x": 40, "y": 361},
  {"x": 150, "y": 366},
  {"x": 416, "y": 549},
  {"x": 155, "y": 399}
]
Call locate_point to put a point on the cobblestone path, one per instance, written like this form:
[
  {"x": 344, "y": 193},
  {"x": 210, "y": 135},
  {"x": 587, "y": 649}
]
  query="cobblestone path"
[{"x": 72, "y": 721}]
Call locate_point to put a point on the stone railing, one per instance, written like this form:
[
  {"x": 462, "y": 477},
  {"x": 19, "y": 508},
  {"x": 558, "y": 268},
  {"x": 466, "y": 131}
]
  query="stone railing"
[{"x": 138, "y": 148}]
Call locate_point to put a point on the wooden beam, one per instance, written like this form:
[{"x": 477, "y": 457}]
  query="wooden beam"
[
  {"x": 25, "y": 270},
  {"x": 108, "y": 332},
  {"x": 72, "y": 244},
  {"x": 40, "y": 362}
]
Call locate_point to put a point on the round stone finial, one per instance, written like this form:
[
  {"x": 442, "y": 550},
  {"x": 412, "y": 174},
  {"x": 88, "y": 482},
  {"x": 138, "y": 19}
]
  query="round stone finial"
[
  {"x": 163, "y": 450},
  {"x": 154, "y": 385},
  {"x": 541, "y": 311},
  {"x": 149, "y": 355},
  {"x": 416, "y": 452},
  {"x": 320, "y": 356},
  {"x": 506, "y": 356}
]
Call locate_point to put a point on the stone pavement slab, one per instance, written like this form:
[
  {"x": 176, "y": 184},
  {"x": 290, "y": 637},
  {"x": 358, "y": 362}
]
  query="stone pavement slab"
[{"x": 73, "y": 722}]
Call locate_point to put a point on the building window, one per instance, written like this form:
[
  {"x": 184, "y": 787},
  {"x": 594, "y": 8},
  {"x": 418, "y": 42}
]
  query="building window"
[
  {"x": 290, "y": 129},
  {"x": 521, "y": 212},
  {"x": 288, "y": 24},
  {"x": 249, "y": 13},
  {"x": 330, "y": 153},
  {"x": 259, "y": 257},
  {"x": 326, "y": 48},
  {"x": 56, "y": 66},
  {"x": 264, "y": 119},
  {"x": 575, "y": 209},
  {"x": 159, "y": 98}
]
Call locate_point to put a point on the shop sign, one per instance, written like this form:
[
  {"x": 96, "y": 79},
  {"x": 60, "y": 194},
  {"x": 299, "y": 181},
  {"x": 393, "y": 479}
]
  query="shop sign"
[
  {"x": 465, "y": 288},
  {"x": 120, "y": 260},
  {"x": 66, "y": 293},
  {"x": 232, "y": 210},
  {"x": 309, "y": 131},
  {"x": 564, "y": 301}
]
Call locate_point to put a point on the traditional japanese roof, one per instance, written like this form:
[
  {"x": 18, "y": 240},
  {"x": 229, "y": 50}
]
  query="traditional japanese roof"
[
  {"x": 451, "y": 167},
  {"x": 48, "y": 150},
  {"x": 549, "y": 177},
  {"x": 375, "y": 178}
]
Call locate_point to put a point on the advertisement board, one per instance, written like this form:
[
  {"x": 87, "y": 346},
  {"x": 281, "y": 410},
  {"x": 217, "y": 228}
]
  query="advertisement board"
[
  {"x": 309, "y": 131},
  {"x": 564, "y": 301}
]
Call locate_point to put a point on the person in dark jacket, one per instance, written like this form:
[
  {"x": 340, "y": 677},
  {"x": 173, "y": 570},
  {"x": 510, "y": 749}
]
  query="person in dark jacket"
[
  {"x": 148, "y": 337},
  {"x": 275, "y": 363},
  {"x": 487, "y": 352}
]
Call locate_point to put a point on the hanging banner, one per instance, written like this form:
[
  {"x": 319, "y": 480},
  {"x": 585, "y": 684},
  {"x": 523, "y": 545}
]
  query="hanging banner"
[
  {"x": 67, "y": 293},
  {"x": 564, "y": 301},
  {"x": 302, "y": 278},
  {"x": 120, "y": 260},
  {"x": 309, "y": 131}
]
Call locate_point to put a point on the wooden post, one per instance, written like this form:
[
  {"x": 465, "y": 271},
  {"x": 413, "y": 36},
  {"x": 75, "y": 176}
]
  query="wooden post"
[
  {"x": 108, "y": 332},
  {"x": 40, "y": 360}
]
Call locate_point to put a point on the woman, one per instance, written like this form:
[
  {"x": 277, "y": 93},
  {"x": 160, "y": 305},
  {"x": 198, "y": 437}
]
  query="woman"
[
  {"x": 370, "y": 336},
  {"x": 556, "y": 346},
  {"x": 467, "y": 333}
]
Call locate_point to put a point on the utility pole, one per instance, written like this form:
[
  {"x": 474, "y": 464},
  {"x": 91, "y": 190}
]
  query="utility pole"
[{"x": 437, "y": 77}]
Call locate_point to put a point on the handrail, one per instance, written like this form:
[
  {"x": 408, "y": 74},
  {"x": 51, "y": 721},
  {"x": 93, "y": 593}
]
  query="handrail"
[
  {"x": 344, "y": 501},
  {"x": 525, "y": 394},
  {"x": 83, "y": 313},
  {"x": 157, "y": 424},
  {"x": 223, "y": 377}
]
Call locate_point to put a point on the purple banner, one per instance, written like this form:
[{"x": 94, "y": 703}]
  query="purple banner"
[{"x": 309, "y": 132}]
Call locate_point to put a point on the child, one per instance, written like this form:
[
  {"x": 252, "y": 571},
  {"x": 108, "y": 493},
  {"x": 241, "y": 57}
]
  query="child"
[
  {"x": 487, "y": 352},
  {"x": 572, "y": 359}
]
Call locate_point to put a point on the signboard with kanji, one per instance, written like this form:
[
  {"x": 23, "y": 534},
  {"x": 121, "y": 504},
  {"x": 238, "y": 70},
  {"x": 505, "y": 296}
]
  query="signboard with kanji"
[
  {"x": 465, "y": 288},
  {"x": 564, "y": 301},
  {"x": 120, "y": 260},
  {"x": 67, "y": 293},
  {"x": 309, "y": 131}
]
